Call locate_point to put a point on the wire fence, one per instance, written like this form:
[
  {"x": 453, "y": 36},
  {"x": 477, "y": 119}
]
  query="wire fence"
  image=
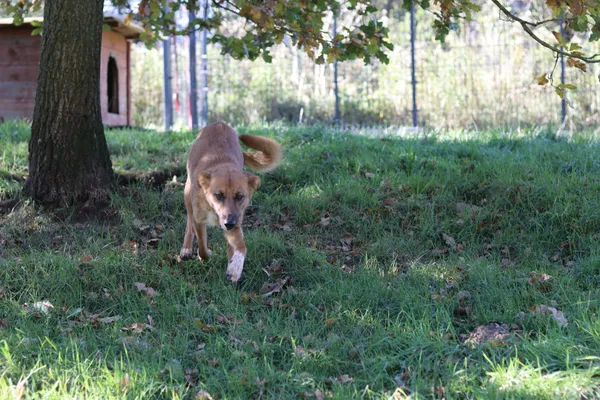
[{"x": 482, "y": 76}]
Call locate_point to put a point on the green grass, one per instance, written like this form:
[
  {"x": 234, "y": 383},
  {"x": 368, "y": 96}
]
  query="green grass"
[{"x": 377, "y": 293}]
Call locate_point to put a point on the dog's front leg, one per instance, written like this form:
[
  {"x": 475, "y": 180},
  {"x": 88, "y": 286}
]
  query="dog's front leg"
[
  {"x": 236, "y": 253},
  {"x": 203, "y": 250},
  {"x": 186, "y": 249}
]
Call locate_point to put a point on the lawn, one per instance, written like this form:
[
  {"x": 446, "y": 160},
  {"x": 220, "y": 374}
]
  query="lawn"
[{"x": 452, "y": 264}]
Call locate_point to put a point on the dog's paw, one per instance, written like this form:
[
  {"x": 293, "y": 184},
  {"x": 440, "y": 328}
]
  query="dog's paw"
[
  {"x": 185, "y": 253},
  {"x": 204, "y": 257},
  {"x": 235, "y": 267}
]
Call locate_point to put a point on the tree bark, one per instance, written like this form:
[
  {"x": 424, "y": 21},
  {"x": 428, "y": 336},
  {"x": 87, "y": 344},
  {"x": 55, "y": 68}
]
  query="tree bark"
[{"x": 68, "y": 157}]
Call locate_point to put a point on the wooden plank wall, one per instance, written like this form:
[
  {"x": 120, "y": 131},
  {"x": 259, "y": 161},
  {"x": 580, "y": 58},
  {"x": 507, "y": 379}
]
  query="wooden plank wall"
[{"x": 19, "y": 59}]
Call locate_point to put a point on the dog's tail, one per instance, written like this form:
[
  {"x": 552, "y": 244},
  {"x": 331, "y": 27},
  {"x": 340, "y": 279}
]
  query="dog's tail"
[{"x": 268, "y": 156}]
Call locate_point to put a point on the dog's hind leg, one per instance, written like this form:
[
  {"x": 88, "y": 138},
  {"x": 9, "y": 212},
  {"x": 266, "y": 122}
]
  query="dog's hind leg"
[{"x": 236, "y": 253}]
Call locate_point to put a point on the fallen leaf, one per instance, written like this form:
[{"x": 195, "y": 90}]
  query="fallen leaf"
[
  {"x": 469, "y": 208},
  {"x": 108, "y": 320},
  {"x": 329, "y": 321},
  {"x": 43, "y": 306},
  {"x": 124, "y": 382},
  {"x": 269, "y": 289},
  {"x": 389, "y": 201},
  {"x": 541, "y": 282},
  {"x": 137, "y": 327},
  {"x": 493, "y": 333},
  {"x": 141, "y": 287},
  {"x": 202, "y": 395},
  {"x": 86, "y": 259},
  {"x": 342, "y": 379},
  {"x": 440, "y": 392},
  {"x": 449, "y": 240},
  {"x": 203, "y": 326},
  {"x": 190, "y": 376},
  {"x": 325, "y": 220},
  {"x": 556, "y": 314}
]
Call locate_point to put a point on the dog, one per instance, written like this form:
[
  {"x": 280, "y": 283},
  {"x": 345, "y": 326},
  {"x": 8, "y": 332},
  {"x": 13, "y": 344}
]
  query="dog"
[{"x": 218, "y": 190}]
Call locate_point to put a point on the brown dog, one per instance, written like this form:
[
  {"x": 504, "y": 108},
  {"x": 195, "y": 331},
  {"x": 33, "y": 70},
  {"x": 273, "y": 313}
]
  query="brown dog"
[{"x": 218, "y": 190}]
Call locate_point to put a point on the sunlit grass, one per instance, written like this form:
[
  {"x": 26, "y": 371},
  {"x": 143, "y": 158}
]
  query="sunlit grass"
[{"x": 398, "y": 247}]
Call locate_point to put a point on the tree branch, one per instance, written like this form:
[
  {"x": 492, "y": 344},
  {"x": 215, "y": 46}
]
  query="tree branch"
[{"x": 526, "y": 27}]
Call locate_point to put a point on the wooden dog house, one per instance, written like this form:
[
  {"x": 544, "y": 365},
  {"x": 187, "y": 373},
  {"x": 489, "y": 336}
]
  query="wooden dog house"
[{"x": 19, "y": 66}]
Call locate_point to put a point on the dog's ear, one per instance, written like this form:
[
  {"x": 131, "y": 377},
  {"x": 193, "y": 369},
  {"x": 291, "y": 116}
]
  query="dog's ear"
[
  {"x": 253, "y": 181},
  {"x": 204, "y": 179}
]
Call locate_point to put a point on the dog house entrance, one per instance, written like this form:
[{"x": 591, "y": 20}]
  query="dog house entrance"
[{"x": 112, "y": 85}]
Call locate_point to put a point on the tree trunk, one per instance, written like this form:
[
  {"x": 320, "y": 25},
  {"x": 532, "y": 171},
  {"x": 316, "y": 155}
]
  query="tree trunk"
[{"x": 68, "y": 156}]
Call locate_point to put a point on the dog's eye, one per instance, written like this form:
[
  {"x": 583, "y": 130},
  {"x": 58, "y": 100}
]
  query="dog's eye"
[
  {"x": 219, "y": 196},
  {"x": 239, "y": 197}
]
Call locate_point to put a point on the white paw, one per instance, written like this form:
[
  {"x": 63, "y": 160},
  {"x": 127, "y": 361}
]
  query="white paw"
[
  {"x": 235, "y": 267},
  {"x": 185, "y": 253}
]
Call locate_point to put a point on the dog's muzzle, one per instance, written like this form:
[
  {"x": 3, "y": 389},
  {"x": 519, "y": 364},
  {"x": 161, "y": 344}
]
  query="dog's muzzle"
[{"x": 230, "y": 222}]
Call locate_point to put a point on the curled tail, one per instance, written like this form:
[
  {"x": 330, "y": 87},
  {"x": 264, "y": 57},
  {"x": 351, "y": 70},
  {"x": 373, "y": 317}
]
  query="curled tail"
[{"x": 268, "y": 154}]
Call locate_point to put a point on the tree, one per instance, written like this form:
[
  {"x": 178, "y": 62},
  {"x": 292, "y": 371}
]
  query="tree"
[
  {"x": 68, "y": 155},
  {"x": 69, "y": 160}
]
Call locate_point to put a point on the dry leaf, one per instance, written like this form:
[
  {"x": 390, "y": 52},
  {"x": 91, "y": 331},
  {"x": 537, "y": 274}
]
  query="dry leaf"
[
  {"x": 108, "y": 320},
  {"x": 556, "y": 314},
  {"x": 325, "y": 220},
  {"x": 542, "y": 79},
  {"x": 493, "y": 333},
  {"x": 124, "y": 382},
  {"x": 203, "y": 326},
  {"x": 329, "y": 321},
  {"x": 86, "y": 259},
  {"x": 137, "y": 327},
  {"x": 141, "y": 287},
  {"x": 190, "y": 376},
  {"x": 43, "y": 306},
  {"x": 269, "y": 289},
  {"x": 449, "y": 240},
  {"x": 202, "y": 395},
  {"x": 541, "y": 282}
]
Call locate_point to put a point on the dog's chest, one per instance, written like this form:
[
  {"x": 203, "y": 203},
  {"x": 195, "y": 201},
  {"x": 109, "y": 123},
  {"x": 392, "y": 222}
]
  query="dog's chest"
[{"x": 210, "y": 219}]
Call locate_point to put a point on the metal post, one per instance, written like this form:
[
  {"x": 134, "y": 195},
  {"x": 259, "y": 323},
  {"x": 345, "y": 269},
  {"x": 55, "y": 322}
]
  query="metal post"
[
  {"x": 204, "y": 72},
  {"x": 167, "y": 81},
  {"x": 193, "y": 83},
  {"x": 335, "y": 78},
  {"x": 562, "y": 77},
  {"x": 413, "y": 29}
]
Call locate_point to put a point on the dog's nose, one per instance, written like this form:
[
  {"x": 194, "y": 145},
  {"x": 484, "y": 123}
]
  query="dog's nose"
[{"x": 229, "y": 226}]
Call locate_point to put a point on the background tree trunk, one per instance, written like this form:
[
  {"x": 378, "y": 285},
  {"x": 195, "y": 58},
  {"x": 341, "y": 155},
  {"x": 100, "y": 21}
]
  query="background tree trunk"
[{"x": 68, "y": 155}]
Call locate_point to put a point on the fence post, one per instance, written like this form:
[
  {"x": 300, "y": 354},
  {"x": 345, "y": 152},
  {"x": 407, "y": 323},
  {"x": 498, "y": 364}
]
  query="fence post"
[
  {"x": 336, "y": 116},
  {"x": 413, "y": 34},
  {"x": 204, "y": 72},
  {"x": 193, "y": 82},
  {"x": 563, "y": 102},
  {"x": 167, "y": 76}
]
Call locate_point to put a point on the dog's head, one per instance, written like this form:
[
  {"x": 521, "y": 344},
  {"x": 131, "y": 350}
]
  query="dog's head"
[{"x": 229, "y": 194}]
